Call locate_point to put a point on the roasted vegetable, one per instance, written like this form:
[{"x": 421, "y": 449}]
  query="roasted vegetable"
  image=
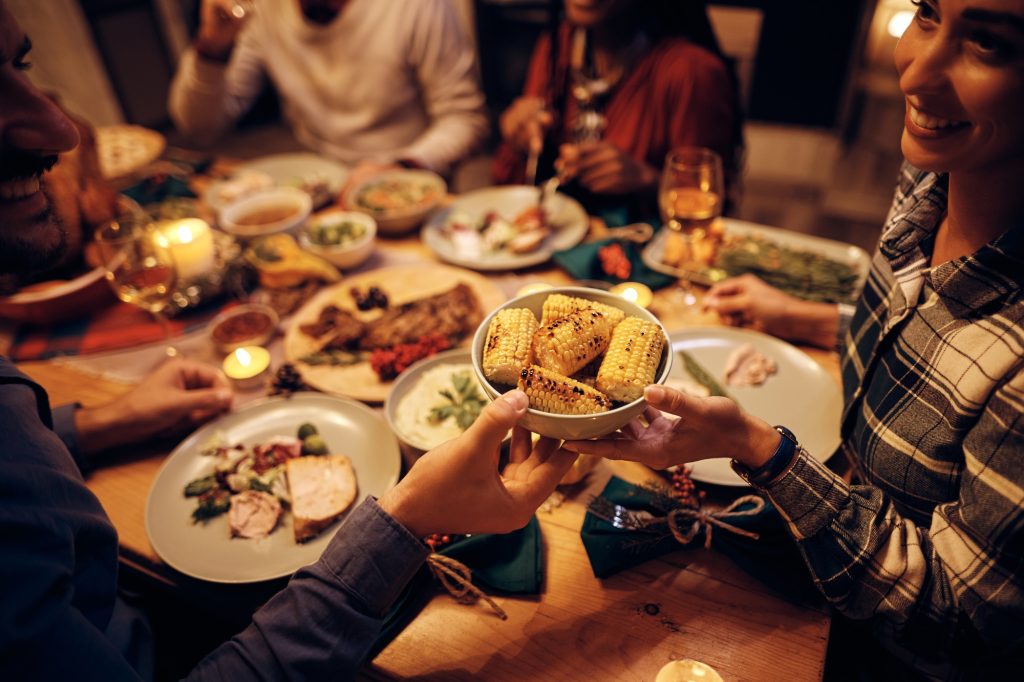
[
  {"x": 508, "y": 346},
  {"x": 211, "y": 504},
  {"x": 560, "y": 305},
  {"x": 632, "y": 359},
  {"x": 569, "y": 343},
  {"x": 552, "y": 392},
  {"x": 314, "y": 445},
  {"x": 201, "y": 486}
]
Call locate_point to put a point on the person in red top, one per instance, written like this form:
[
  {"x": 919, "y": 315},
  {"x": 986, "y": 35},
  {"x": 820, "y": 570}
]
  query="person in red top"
[{"x": 627, "y": 83}]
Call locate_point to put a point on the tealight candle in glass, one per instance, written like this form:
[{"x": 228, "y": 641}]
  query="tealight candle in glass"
[
  {"x": 634, "y": 292},
  {"x": 247, "y": 367}
]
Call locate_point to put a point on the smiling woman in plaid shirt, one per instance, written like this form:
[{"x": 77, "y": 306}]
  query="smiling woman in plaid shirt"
[{"x": 930, "y": 547}]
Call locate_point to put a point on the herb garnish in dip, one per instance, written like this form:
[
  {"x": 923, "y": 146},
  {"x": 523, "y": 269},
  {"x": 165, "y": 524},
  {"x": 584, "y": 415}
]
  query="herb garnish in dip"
[{"x": 444, "y": 402}]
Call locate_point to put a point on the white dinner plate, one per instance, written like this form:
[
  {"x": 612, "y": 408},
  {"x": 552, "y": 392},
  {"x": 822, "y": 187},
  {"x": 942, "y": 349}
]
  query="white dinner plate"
[
  {"x": 207, "y": 551},
  {"x": 801, "y": 396},
  {"x": 287, "y": 170},
  {"x": 566, "y": 216}
]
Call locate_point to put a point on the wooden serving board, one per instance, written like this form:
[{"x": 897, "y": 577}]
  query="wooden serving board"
[{"x": 402, "y": 284}]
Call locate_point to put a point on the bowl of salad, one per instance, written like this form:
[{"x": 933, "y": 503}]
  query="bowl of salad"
[
  {"x": 398, "y": 200},
  {"x": 345, "y": 238}
]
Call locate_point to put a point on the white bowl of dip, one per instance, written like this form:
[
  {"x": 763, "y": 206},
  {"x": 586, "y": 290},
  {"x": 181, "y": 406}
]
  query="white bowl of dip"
[{"x": 417, "y": 390}]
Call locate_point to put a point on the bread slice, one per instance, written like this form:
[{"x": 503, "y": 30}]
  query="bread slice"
[{"x": 321, "y": 488}]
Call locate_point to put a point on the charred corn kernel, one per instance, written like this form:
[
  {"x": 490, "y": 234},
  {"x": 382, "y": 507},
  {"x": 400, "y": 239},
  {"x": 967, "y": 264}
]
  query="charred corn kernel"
[
  {"x": 569, "y": 343},
  {"x": 632, "y": 359},
  {"x": 552, "y": 392},
  {"x": 560, "y": 305},
  {"x": 508, "y": 346}
]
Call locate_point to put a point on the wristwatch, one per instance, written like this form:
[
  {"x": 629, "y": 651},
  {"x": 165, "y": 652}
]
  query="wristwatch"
[{"x": 780, "y": 460}]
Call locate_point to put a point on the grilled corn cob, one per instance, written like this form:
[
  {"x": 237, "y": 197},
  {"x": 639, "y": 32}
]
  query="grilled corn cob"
[
  {"x": 569, "y": 343},
  {"x": 632, "y": 359},
  {"x": 508, "y": 346},
  {"x": 560, "y": 305},
  {"x": 551, "y": 392}
]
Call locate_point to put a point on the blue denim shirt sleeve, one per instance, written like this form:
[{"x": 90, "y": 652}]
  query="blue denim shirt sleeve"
[
  {"x": 64, "y": 427},
  {"x": 324, "y": 622}
]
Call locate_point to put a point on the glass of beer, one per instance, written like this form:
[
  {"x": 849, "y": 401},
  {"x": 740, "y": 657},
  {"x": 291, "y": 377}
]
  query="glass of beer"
[
  {"x": 690, "y": 197},
  {"x": 138, "y": 264}
]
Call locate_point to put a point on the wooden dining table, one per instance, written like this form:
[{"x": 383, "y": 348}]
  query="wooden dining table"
[{"x": 692, "y": 603}]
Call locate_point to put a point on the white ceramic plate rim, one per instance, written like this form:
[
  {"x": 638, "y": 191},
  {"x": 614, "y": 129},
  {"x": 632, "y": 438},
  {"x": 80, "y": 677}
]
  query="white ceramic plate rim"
[{"x": 58, "y": 290}]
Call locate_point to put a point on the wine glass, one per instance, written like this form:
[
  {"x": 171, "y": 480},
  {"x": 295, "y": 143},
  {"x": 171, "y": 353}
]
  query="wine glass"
[
  {"x": 138, "y": 264},
  {"x": 690, "y": 197}
]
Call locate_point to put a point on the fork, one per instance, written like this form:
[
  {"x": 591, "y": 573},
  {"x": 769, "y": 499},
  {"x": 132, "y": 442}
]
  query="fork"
[
  {"x": 549, "y": 187},
  {"x": 619, "y": 516}
]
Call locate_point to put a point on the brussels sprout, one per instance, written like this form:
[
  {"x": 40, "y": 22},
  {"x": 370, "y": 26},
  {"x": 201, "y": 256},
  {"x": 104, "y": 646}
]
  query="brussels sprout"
[
  {"x": 314, "y": 445},
  {"x": 307, "y": 430}
]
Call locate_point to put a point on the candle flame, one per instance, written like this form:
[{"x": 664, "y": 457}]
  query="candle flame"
[
  {"x": 244, "y": 358},
  {"x": 184, "y": 234},
  {"x": 630, "y": 294}
]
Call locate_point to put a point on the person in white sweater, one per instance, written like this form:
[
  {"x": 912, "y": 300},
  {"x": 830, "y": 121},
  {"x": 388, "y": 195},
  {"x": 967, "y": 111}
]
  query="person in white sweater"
[{"x": 371, "y": 82}]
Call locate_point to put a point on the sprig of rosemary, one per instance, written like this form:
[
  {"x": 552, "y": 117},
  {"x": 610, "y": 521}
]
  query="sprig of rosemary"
[
  {"x": 702, "y": 376},
  {"x": 334, "y": 358}
]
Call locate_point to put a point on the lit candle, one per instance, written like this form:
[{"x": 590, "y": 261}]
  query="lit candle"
[
  {"x": 247, "y": 366},
  {"x": 532, "y": 288},
  {"x": 634, "y": 292},
  {"x": 191, "y": 244},
  {"x": 687, "y": 670}
]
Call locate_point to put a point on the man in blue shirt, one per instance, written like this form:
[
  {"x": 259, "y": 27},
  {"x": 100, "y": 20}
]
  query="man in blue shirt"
[{"x": 58, "y": 549}]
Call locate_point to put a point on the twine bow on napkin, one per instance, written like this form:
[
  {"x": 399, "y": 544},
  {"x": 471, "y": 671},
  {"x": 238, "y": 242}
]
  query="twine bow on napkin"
[
  {"x": 457, "y": 578},
  {"x": 627, "y": 525},
  {"x": 685, "y": 523}
]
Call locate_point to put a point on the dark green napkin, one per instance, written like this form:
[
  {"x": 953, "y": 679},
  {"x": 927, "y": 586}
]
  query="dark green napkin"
[
  {"x": 773, "y": 558},
  {"x": 581, "y": 262},
  {"x": 159, "y": 188},
  {"x": 510, "y": 563}
]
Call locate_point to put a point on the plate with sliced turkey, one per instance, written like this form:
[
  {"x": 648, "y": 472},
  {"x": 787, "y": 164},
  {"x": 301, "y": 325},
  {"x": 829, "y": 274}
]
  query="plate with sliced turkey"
[{"x": 260, "y": 492}]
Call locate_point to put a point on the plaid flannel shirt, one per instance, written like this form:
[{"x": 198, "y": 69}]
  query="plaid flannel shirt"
[{"x": 931, "y": 547}]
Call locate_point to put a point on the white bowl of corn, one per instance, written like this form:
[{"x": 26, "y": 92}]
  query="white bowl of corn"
[{"x": 582, "y": 356}]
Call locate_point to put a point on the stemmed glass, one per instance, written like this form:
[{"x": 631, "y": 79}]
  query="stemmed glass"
[
  {"x": 138, "y": 264},
  {"x": 690, "y": 197}
]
